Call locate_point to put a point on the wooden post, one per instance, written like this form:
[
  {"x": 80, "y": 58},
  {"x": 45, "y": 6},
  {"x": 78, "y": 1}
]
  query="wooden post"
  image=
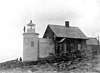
[
  {"x": 98, "y": 44},
  {"x": 38, "y": 50},
  {"x": 98, "y": 39},
  {"x": 58, "y": 66},
  {"x": 24, "y": 29}
]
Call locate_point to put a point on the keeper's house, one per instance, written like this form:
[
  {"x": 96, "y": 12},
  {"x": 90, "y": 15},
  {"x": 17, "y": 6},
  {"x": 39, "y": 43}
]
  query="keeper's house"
[{"x": 57, "y": 40}]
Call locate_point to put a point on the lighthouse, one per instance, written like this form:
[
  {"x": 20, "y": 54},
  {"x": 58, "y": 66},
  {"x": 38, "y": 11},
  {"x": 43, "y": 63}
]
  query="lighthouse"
[{"x": 30, "y": 43}]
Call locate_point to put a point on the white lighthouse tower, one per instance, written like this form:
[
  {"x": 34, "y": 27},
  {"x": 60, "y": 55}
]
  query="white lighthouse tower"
[{"x": 30, "y": 43}]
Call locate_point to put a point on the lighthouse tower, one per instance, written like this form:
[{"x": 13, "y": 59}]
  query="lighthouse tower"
[{"x": 30, "y": 43}]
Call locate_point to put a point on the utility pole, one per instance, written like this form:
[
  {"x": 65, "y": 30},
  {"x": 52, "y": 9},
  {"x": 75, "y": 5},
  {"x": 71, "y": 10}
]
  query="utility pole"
[
  {"x": 98, "y": 39},
  {"x": 38, "y": 50},
  {"x": 24, "y": 29},
  {"x": 98, "y": 45}
]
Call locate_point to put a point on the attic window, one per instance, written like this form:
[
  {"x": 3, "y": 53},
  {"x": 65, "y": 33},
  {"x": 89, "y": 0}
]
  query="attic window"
[{"x": 32, "y": 43}]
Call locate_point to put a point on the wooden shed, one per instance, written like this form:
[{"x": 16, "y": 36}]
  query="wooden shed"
[
  {"x": 65, "y": 38},
  {"x": 94, "y": 45}
]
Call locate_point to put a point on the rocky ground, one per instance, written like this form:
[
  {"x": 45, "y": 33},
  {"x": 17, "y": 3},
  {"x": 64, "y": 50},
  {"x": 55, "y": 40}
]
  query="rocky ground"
[{"x": 84, "y": 66}]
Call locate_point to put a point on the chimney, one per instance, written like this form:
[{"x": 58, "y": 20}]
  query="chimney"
[{"x": 67, "y": 23}]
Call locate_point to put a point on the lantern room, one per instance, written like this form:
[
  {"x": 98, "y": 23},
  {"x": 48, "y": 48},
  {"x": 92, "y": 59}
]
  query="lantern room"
[{"x": 30, "y": 27}]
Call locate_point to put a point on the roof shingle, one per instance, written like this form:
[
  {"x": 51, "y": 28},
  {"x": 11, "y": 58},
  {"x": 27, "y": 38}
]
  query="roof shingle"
[{"x": 69, "y": 32}]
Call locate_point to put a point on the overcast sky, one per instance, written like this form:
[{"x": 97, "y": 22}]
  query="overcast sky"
[{"x": 14, "y": 14}]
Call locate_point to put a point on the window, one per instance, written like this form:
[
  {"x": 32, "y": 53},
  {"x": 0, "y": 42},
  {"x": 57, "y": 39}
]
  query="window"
[
  {"x": 72, "y": 47},
  {"x": 54, "y": 36},
  {"x": 79, "y": 46},
  {"x": 32, "y": 43},
  {"x": 33, "y": 27}
]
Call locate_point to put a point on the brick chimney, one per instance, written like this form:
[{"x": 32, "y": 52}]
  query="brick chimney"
[{"x": 67, "y": 23}]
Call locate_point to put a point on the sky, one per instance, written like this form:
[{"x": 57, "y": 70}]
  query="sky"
[{"x": 14, "y": 14}]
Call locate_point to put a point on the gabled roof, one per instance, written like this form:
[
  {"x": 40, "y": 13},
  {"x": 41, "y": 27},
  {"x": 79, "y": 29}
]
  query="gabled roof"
[
  {"x": 93, "y": 41},
  {"x": 69, "y": 32}
]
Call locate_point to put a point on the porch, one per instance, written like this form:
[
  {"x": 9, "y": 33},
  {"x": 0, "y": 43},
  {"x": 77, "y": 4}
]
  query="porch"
[{"x": 68, "y": 45}]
